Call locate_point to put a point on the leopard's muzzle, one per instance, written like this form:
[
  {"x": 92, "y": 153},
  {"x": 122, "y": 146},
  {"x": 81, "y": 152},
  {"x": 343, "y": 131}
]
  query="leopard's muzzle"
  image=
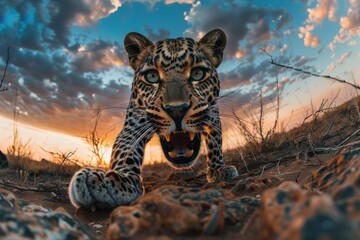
[{"x": 180, "y": 147}]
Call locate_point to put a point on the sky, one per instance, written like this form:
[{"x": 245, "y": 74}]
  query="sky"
[{"x": 67, "y": 59}]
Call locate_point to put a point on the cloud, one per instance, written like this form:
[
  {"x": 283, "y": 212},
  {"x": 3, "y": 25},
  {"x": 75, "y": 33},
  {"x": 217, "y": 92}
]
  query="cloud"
[
  {"x": 51, "y": 20},
  {"x": 179, "y": 1},
  {"x": 59, "y": 81},
  {"x": 344, "y": 57},
  {"x": 98, "y": 55},
  {"x": 240, "y": 53},
  {"x": 310, "y": 40},
  {"x": 239, "y": 76},
  {"x": 284, "y": 48},
  {"x": 241, "y": 22},
  {"x": 350, "y": 25},
  {"x": 352, "y": 20},
  {"x": 331, "y": 67},
  {"x": 96, "y": 9},
  {"x": 323, "y": 9},
  {"x": 307, "y": 2},
  {"x": 352, "y": 43},
  {"x": 152, "y": 3},
  {"x": 161, "y": 35},
  {"x": 241, "y": 86}
]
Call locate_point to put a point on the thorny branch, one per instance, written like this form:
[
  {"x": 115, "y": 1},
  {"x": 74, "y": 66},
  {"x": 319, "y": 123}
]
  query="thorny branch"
[
  {"x": 4, "y": 73},
  {"x": 308, "y": 72}
]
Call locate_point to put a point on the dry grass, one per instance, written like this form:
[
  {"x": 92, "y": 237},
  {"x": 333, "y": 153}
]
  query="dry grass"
[
  {"x": 325, "y": 130},
  {"x": 32, "y": 170}
]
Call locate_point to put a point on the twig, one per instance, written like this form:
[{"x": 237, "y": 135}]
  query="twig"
[
  {"x": 298, "y": 175},
  {"x": 308, "y": 72},
  {"x": 64, "y": 157},
  {"x": 7, "y": 184},
  {"x": 327, "y": 133},
  {"x": 272, "y": 130},
  {"x": 98, "y": 143},
  {"x": 348, "y": 138},
  {"x": 4, "y": 73},
  {"x": 39, "y": 188},
  {"x": 67, "y": 157},
  {"x": 261, "y": 118}
]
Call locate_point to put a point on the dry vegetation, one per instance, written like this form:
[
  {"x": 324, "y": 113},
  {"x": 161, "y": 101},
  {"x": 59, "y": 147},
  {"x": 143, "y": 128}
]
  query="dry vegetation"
[
  {"x": 325, "y": 130},
  {"x": 97, "y": 142}
]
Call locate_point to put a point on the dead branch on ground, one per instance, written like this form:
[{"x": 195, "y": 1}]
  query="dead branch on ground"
[{"x": 40, "y": 188}]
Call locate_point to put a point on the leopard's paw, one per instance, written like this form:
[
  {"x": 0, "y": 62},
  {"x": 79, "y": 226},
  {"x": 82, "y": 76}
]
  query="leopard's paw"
[
  {"x": 225, "y": 173},
  {"x": 98, "y": 189}
]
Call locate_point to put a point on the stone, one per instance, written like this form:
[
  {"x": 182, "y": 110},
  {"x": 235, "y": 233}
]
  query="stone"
[
  {"x": 182, "y": 212},
  {"x": 21, "y": 220},
  {"x": 327, "y": 206}
]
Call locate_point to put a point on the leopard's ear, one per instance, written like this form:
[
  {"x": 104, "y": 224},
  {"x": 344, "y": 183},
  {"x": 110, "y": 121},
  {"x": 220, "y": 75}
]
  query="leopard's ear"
[
  {"x": 213, "y": 45},
  {"x": 135, "y": 46}
]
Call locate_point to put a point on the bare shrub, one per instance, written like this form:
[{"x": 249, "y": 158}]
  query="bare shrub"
[
  {"x": 258, "y": 138},
  {"x": 97, "y": 142},
  {"x": 19, "y": 151}
]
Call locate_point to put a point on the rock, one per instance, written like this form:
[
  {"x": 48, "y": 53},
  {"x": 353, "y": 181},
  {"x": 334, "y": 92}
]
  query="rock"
[
  {"x": 4, "y": 163},
  {"x": 291, "y": 211},
  {"x": 20, "y": 220},
  {"x": 181, "y": 212}
]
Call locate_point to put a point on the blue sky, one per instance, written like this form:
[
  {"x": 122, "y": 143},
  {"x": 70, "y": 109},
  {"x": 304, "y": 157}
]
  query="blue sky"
[{"x": 67, "y": 56}]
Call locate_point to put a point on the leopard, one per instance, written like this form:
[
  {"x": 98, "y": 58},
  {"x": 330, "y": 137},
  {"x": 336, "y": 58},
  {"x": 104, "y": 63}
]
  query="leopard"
[{"x": 174, "y": 95}]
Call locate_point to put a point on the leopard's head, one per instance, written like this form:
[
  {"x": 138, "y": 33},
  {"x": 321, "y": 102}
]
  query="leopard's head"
[{"x": 177, "y": 85}]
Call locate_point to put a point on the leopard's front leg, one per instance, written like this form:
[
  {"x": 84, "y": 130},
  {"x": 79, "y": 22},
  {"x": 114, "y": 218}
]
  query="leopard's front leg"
[
  {"x": 122, "y": 184},
  {"x": 216, "y": 169}
]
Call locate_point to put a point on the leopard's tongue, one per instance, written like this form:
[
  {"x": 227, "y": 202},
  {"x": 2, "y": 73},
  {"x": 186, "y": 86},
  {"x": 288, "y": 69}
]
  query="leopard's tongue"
[{"x": 180, "y": 141}]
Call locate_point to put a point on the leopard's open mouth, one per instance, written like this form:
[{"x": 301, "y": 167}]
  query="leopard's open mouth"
[{"x": 181, "y": 148}]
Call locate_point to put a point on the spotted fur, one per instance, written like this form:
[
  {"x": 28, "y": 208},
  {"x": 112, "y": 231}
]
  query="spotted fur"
[{"x": 173, "y": 60}]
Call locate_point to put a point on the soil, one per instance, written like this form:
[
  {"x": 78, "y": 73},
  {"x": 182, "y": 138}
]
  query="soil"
[{"x": 154, "y": 178}]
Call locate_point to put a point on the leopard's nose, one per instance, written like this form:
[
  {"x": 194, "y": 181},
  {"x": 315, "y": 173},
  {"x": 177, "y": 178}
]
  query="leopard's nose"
[{"x": 177, "y": 113}]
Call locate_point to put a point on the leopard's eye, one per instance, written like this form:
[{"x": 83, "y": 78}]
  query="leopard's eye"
[
  {"x": 152, "y": 76},
  {"x": 197, "y": 74}
]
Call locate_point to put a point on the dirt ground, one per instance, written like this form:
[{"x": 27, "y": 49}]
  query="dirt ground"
[{"x": 155, "y": 177}]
